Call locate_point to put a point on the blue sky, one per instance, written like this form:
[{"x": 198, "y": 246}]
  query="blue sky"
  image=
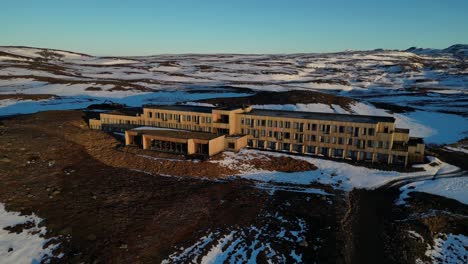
[{"x": 142, "y": 27}]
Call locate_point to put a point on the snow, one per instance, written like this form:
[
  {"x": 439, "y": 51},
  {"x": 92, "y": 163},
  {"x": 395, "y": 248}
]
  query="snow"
[
  {"x": 453, "y": 188},
  {"x": 27, "y": 246},
  {"x": 416, "y": 235},
  {"x": 243, "y": 244},
  {"x": 340, "y": 175},
  {"x": 382, "y": 75},
  {"x": 83, "y": 101},
  {"x": 449, "y": 248},
  {"x": 216, "y": 253},
  {"x": 461, "y": 149}
]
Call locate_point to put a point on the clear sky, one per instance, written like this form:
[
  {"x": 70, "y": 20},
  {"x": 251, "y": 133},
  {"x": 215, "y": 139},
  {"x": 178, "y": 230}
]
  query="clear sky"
[{"x": 143, "y": 27}]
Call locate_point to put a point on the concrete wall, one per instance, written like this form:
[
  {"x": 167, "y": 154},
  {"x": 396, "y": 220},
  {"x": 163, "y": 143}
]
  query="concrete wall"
[
  {"x": 239, "y": 142},
  {"x": 216, "y": 145},
  {"x": 95, "y": 124}
]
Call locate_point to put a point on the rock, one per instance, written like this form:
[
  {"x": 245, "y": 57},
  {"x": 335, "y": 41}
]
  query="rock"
[
  {"x": 10, "y": 249},
  {"x": 91, "y": 237},
  {"x": 123, "y": 246},
  {"x": 51, "y": 163},
  {"x": 303, "y": 243},
  {"x": 5, "y": 159},
  {"x": 66, "y": 231},
  {"x": 56, "y": 193},
  {"x": 30, "y": 195}
]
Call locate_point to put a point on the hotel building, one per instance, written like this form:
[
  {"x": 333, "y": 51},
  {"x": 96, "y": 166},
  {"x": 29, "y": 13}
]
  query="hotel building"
[{"x": 200, "y": 130}]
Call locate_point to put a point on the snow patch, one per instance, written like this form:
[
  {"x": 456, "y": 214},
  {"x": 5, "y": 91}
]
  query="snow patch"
[{"x": 28, "y": 246}]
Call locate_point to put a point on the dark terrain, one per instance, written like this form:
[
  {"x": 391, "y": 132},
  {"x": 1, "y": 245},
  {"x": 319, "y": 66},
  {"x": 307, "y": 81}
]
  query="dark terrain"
[{"x": 80, "y": 182}]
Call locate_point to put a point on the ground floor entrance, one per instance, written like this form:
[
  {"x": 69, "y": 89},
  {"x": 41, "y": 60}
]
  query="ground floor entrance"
[{"x": 167, "y": 146}]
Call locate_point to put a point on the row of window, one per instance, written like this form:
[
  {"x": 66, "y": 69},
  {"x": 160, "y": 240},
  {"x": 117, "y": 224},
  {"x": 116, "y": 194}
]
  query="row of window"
[
  {"x": 322, "y": 151},
  {"x": 326, "y": 129},
  {"x": 179, "y": 118},
  {"x": 359, "y": 143}
]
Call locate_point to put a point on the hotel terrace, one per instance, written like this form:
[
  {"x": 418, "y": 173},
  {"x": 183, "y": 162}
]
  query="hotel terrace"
[{"x": 200, "y": 130}]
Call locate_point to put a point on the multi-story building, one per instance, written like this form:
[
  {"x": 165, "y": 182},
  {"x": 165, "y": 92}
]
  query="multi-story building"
[{"x": 354, "y": 137}]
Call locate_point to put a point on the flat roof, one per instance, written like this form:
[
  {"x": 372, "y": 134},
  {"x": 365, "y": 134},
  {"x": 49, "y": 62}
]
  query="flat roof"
[
  {"x": 183, "y": 108},
  {"x": 321, "y": 116},
  {"x": 179, "y": 134},
  {"x": 131, "y": 111},
  {"x": 192, "y": 108}
]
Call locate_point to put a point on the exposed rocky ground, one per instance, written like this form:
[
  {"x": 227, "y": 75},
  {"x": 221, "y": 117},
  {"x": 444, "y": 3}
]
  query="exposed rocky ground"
[{"x": 101, "y": 203}]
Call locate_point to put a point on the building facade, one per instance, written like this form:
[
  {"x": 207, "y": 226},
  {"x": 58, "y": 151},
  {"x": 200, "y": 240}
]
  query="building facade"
[{"x": 353, "y": 137}]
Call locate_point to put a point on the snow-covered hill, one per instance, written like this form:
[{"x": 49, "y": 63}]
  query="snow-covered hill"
[{"x": 432, "y": 81}]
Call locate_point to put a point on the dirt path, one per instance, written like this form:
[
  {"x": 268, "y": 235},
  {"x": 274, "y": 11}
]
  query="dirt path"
[{"x": 364, "y": 225}]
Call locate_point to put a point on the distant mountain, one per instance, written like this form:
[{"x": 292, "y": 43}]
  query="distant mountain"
[{"x": 458, "y": 50}]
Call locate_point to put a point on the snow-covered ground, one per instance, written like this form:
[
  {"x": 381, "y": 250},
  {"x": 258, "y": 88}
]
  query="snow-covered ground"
[
  {"x": 438, "y": 95},
  {"x": 462, "y": 149},
  {"x": 341, "y": 175},
  {"x": 244, "y": 244},
  {"x": 448, "y": 249},
  {"x": 453, "y": 188},
  {"x": 28, "y": 246}
]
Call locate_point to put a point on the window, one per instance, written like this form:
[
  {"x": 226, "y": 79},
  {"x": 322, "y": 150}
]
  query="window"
[
  {"x": 364, "y": 131},
  {"x": 150, "y": 115},
  {"x": 242, "y": 121},
  {"x": 263, "y": 123},
  {"x": 380, "y": 145},
  {"x": 272, "y": 145},
  {"x": 356, "y": 131},
  {"x": 297, "y": 148},
  {"x": 370, "y": 143},
  {"x": 280, "y": 136},
  {"x": 260, "y": 144},
  {"x": 247, "y": 121},
  {"x": 357, "y": 143},
  {"x": 296, "y": 125},
  {"x": 340, "y": 140},
  {"x": 371, "y": 131},
  {"x": 313, "y": 138},
  {"x": 341, "y": 129},
  {"x": 287, "y": 135},
  {"x": 231, "y": 145},
  {"x": 281, "y": 124},
  {"x": 311, "y": 149},
  {"x": 385, "y": 129},
  {"x": 270, "y": 133},
  {"x": 334, "y": 140},
  {"x": 287, "y": 124},
  {"x": 350, "y": 129},
  {"x": 275, "y": 123},
  {"x": 270, "y": 123},
  {"x": 314, "y": 127},
  {"x": 350, "y": 141}
]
